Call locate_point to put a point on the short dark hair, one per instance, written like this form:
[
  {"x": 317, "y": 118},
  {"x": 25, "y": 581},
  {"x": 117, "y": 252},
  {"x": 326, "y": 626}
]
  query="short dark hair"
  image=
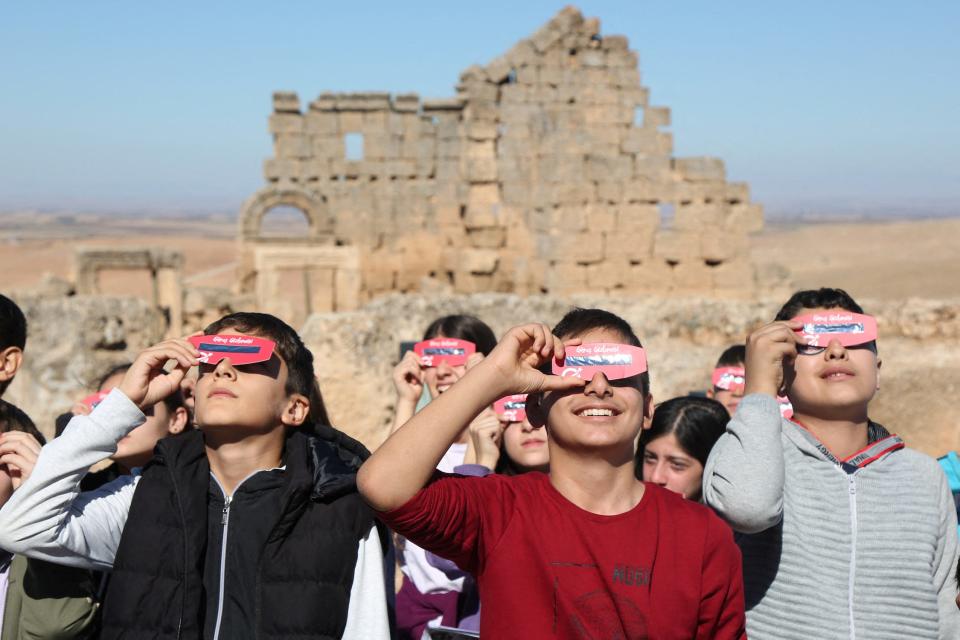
[
  {"x": 173, "y": 401},
  {"x": 13, "y": 329},
  {"x": 299, "y": 360},
  {"x": 12, "y": 418},
  {"x": 733, "y": 356},
  {"x": 13, "y": 324},
  {"x": 697, "y": 423},
  {"x": 463, "y": 327},
  {"x": 823, "y": 298},
  {"x": 579, "y": 321}
]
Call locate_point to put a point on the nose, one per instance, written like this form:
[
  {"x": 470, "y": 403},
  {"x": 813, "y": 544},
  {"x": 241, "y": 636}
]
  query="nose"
[
  {"x": 835, "y": 350},
  {"x": 527, "y": 427},
  {"x": 658, "y": 475},
  {"x": 599, "y": 386},
  {"x": 224, "y": 369},
  {"x": 444, "y": 370}
]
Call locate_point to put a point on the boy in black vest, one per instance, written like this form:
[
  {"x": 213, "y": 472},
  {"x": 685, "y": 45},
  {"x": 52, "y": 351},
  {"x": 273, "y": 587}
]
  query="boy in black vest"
[{"x": 249, "y": 527}]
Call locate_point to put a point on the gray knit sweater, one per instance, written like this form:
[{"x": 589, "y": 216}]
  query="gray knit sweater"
[{"x": 831, "y": 554}]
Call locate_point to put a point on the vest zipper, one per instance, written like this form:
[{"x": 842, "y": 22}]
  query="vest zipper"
[
  {"x": 225, "y": 521},
  {"x": 852, "y": 490}
]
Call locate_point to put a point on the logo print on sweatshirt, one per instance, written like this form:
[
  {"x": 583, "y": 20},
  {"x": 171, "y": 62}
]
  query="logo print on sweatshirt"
[{"x": 598, "y": 612}]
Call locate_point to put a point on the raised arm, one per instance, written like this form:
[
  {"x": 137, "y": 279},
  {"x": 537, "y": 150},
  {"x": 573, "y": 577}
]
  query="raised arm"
[
  {"x": 405, "y": 462},
  {"x": 408, "y": 382},
  {"x": 743, "y": 479},
  {"x": 47, "y": 517}
]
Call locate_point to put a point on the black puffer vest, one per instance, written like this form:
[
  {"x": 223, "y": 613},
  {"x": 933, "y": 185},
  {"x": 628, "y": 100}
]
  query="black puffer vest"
[{"x": 302, "y": 574}]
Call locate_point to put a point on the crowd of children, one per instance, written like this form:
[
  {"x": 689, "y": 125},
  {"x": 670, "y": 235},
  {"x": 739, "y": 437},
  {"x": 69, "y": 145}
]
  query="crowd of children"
[{"x": 529, "y": 488}]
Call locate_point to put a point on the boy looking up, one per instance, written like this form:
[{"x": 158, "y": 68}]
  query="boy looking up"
[
  {"x": 727, "y": 379},
  {"x": 249, "y": 527},
  {"x": 845, "y": 533},
  {"x": 586, "y": 550}
]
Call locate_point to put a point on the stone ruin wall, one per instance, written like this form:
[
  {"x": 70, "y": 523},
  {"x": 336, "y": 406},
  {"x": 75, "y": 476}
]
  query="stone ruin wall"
[{"x": 548, "y": 172}]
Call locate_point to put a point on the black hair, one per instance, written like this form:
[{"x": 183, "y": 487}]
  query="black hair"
[
  {"x": 173, "y": 401},
  {"x": 13, "y": 329},
  {"x": 12, "y": 418},
  {"x": 733, "y": 356},
  {"x": 696, "y": 422},
  {"x": 289, "y": 346},
  {"x": 823, "y": 298},
  {"x": 579, "y": 321},
  {"x": 463, "y": 327}
]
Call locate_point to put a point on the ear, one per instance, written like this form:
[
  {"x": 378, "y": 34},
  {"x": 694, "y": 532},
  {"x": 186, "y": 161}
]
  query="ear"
[
  {"x": 535, "y": 410},
  {"x": 10, "y": 359},
  {"x": 710, "y": 393},
  {"x": 296, "y": 411},
  {"x": 648, "y": 411},
  {"x": 879, "y": 364},
  {"x": 178, "y": 421}
]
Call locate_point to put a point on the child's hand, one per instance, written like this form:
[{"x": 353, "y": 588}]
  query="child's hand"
[
  {"x": 19, "y": 452},
  {"x": 486, "y": 430},
  {"x": 408, "y": 377},
  {"x": 146, "y": 383},
  {"x": 768, "y": 348},
  {"x": 518, "y": 355}
]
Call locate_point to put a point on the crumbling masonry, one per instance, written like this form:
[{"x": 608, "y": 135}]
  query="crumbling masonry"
[{"x": 549, "y": 171}]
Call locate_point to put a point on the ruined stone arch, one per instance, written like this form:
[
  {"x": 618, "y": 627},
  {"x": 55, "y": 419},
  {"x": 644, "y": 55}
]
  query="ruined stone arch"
[{"x": 313, "y": 206}]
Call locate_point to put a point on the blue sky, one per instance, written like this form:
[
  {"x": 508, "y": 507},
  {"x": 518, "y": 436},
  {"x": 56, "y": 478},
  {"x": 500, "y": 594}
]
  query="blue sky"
[{"x": 125, "y": 106}]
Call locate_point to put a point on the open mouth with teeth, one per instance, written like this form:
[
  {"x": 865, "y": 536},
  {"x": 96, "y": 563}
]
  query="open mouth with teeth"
[{"x": 596, "y": 413}]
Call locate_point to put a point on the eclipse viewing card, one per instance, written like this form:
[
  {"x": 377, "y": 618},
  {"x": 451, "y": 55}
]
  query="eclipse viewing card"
[
  {"x": 849, "y": 328},
  {"x": 452, "y": 351},
  {"x": 729, "y": 378},
  {"x": 94, "y": 399},
  {"x": 240, "y": 349},
  {"x": 512, "y": 408},
  {"x": 615, "y": 361}
]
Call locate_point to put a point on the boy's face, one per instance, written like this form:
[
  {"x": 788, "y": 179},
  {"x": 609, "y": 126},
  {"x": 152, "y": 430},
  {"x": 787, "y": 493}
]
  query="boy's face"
[
  {"x": 730, "y": 399},
  {"x": 603, "y": 414},
  {"x": 251, "y": 397},
  {"x": 837, "y": 382}
]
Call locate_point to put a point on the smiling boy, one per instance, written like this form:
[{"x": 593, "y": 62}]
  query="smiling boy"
[
  {"x": 249, "y": 527},
  {"x": 844, "y": 532},
  {"x": 586, "y": 550}
]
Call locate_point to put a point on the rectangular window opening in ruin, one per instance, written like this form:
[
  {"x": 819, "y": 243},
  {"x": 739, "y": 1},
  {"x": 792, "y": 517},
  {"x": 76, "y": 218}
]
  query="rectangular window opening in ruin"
[
  {"x": 666, "y": 215},
  {"x": 638, "y": 117},
  {"x": 353, "y": 143}
]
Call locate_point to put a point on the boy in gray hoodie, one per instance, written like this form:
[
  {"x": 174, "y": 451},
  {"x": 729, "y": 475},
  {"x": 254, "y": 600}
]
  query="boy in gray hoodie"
[{"x": 844, "y": 532}]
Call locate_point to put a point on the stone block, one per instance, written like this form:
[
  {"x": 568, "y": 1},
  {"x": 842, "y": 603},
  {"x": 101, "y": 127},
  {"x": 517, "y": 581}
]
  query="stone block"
[
  {"x": 275, "y": 169},
  {"x": 655, "y": 117},
  {"x": 487, "y": 237},
  {"x": 632, "y": 247},
  {"x": 320, "y": 123},
  {"x": 566, "y": 193},
  {"x": 329, "y": 147},
  {"x": 449, "y": 148},
  {"x": 477, "y": 261},
  {"x": 607, "y": 168},
  {"x": 516, "y": 192},
  {"x": 286, "y": 123},
  {"x": 736, "y": 192},
  {"x": 652, "y": 167},
  {"x": 717, "y": 245},
  {"x": 607, "y": 275},
  {"x": 291, "y": 145},
  {"x": 483, "y": 206},
  {"x": 351, "y": 122},
  {"x": 676, "y": 246},
  {"x": 325, "y": 102},
  {"x": 601, "y": 217},
  {"x": 697, "y": 217},
  {"x": 593, "y": 58},
  {"x": 735, "y": 275},
  {"x": 481, "y": 169},
  {"x": 565, "y": 277},
  {"x": 700, "y": 169},
  {"x": 286, "y": 102},
  {"x": 481, "y": 130},
  {"x": 638, "y": 219},
  {"x": 316, "y": 169},
  {"x": 375, "y": 120},
  {"x": 610, "y": 191},
  {"x": 648, "y": 275},
  {"x": 744, "y": 218},
  {"x": 406, "y": 102},
  {"x": 692, "y": 275},
  {"x": 481, "y": 149},
  {"x": 614, "y": 43},
  {"x": 582, "y": 246}
]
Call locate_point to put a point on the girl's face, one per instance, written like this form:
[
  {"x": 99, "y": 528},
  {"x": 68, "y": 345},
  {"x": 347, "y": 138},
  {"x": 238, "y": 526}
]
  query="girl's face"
[
  {"x": 526, "y": 446},
  {"x": 442, "y": 377},
  {"x": 136, "y": 448},
  {"x": 665, "y": 463}
]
